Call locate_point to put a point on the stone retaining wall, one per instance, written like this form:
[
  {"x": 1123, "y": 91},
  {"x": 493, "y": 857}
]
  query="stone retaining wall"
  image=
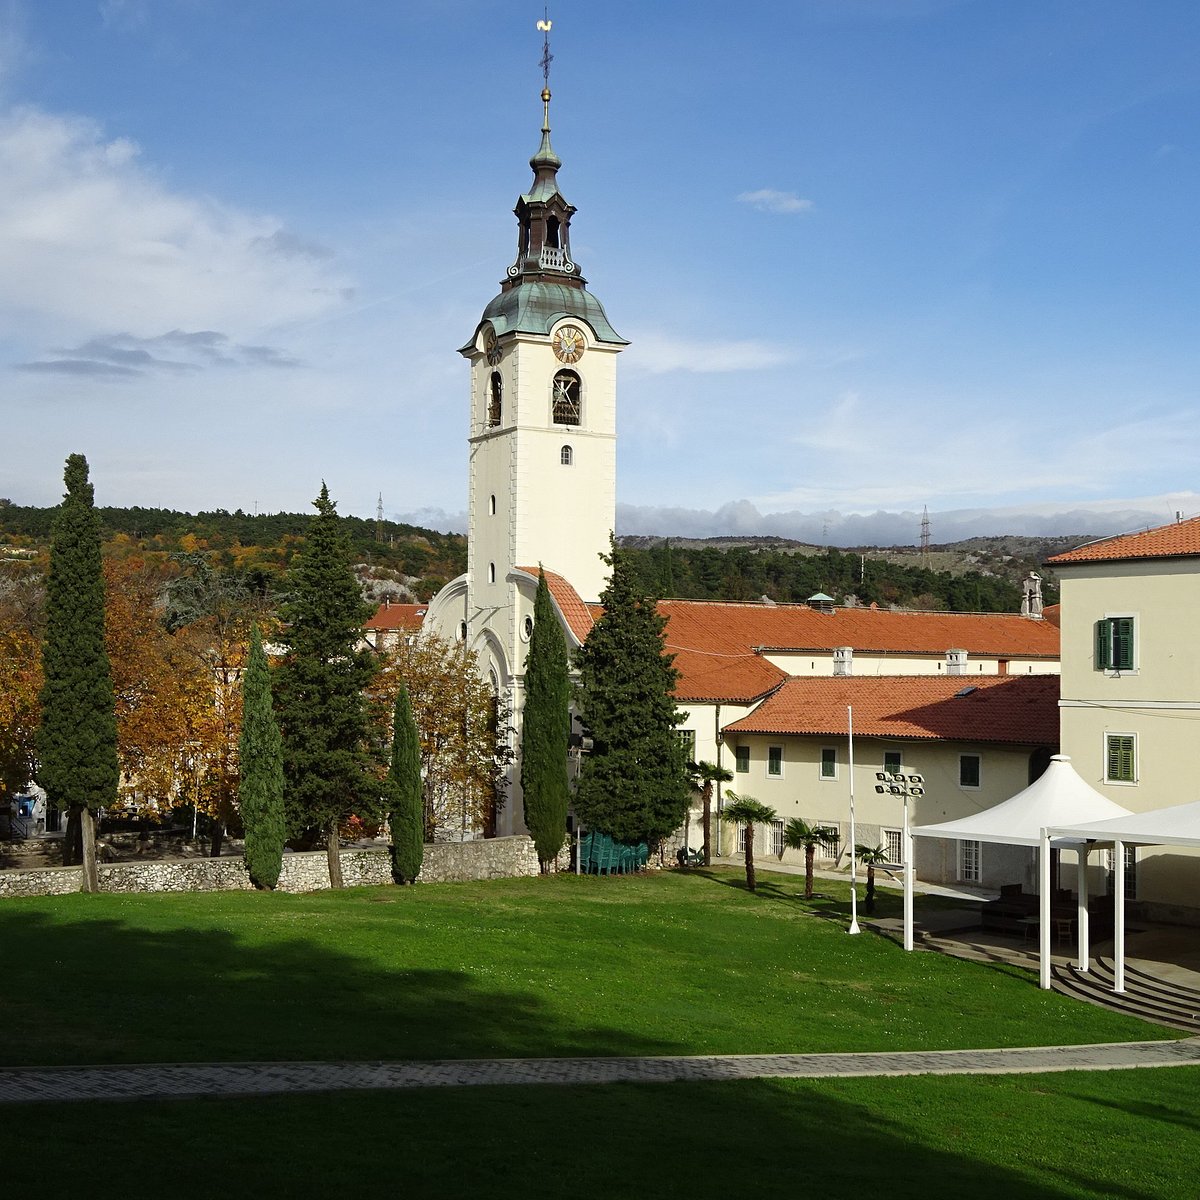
[{"x": 445, "y": 862}]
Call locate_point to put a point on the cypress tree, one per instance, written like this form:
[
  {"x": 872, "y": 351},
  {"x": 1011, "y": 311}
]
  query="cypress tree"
[
  {"x": 402, "y": 792},
  {"x": 260, "y": 786},
  {"x": 634, "y": 783},
  {"x": 321, "y": 706},
  {"x": 77, "y": 738},
  {"x": 545, "y": 729}
]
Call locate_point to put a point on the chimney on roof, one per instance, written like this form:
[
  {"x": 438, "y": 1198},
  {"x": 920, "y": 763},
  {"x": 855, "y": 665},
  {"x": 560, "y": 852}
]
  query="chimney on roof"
[
  {"x": 956, "y": 662},
  {"x": 1031, "y": 596},
  {"x": 820, "y": 602},
  {"x": 843, "y": 660}
]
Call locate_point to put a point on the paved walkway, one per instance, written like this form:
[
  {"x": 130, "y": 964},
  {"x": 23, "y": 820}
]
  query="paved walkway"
[{"x": 23, "y": 1086}]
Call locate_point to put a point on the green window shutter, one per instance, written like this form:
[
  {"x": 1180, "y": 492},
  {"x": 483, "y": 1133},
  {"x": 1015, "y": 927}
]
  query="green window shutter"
[
  {"x": 1119, "y": 768},
  {"x": 1122, "y": 643},
  {"x": 1103, "y": 645}
]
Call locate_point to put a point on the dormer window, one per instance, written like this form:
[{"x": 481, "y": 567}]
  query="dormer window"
[
  {"x": 567, "y": 398},
  {"x": 495, "y": 396}
]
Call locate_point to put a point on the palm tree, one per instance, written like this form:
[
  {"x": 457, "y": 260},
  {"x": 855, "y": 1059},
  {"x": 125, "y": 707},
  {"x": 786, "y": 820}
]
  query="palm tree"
[
  {"x": 798, "y": 834},
  {"x": 745, "y": 810},
  {"x": 873, "y": 856},
  {"x": 704, "y": 775}
]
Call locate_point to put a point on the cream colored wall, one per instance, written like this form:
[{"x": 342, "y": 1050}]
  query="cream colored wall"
[
  {"x": 801, "y": 792},
  {"x": 820, "y": 663},
  {"x": 1158, "y": 702}
]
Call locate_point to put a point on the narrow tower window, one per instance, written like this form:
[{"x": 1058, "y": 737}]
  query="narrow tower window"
[
  {"x": 494, "y": 399},
  {"x": 492, "y": 506},
  {"x": 566, "y": 456},
  {"x": 491, "y": 572},
  {"x": 552, "y": 232},
  {"x": 567, "y": 407}
]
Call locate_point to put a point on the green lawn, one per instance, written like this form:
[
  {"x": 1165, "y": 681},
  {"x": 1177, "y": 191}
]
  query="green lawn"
[
  {"x": 665, "y": 963},
  {"x": 1127, "y": 1134}
]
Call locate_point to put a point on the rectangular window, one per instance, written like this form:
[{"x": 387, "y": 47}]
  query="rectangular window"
[
  {"x": 893, "y": 842},
  {"x": 741, "y": 759},
  {"x": 777, "y": 838},
  {"x": 687, "y": 739},
  {"x": 892, "y": 760},
  {"x": 831, "y": 837},
  {"x": 741, "y": 839},
  {"x": 1120, "y": 758},
  {"x": 968, "y": 770},
  {"x": 1114, "y": 644},
  {"x": 829, "y": 762},
  {"x": 1130, "y": 872},
  {"x": 969, "y": 862},
  {"x": 774, "y": 760}
]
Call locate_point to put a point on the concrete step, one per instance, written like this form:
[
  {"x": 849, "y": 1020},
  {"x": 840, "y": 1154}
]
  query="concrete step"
[{"x": 1151, "y": 999}]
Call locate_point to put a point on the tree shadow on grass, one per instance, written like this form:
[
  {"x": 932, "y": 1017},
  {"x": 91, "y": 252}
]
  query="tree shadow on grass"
[
  {"x": 99, "y": 990},
  {"x": 837, "y": 1139}
]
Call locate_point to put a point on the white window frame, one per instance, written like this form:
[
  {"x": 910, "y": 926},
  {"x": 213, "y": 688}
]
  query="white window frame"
[
  {"x": 899, "y": 766},
  {"x": 774, "y": 774},
  {"x": 971, "y": 787},
  {"x": 893, "y": 837},
  {"x": 777, "y": 838},
  {"x": 970, "y": 861},
  {"x": 832, "y": 777},
  {"x": 1113, "y": 733},
  {"x": 687, "y": 738}
]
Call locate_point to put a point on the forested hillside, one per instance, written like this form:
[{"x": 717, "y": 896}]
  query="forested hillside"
[{"x": 257, "y": 546}]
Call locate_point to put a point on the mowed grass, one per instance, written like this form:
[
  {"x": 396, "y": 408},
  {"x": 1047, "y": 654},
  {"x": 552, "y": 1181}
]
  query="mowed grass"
[
  {"x": 1132, "y": 1134},
  {"x": 664, "y": 963}
]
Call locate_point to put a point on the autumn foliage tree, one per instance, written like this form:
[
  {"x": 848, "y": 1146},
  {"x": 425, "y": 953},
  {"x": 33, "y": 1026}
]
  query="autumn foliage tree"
[
  {"x": 77, "y": 737},
  {"x": 21, "y": 610},
  {"x": 461, "y": 729}
]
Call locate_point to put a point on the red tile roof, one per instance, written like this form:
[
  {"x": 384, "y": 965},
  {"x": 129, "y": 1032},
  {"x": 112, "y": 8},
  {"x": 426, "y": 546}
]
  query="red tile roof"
[
  {"x": 1019, "y": 709},
  {"x": 576, "y": 614},
  {"x": 398, "y": 616},
  {"x": 1178, "y": 540},
  {"x": 1053, "y": 614},
  {"x": 716, "y": 643}
]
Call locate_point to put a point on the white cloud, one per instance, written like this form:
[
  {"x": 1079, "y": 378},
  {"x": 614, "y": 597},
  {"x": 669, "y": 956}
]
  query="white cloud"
[
  {"x": 658, "y": 353},
  {"x": 91, "y": 241},
  {"x": 741, "y": 518},
  {"x": 770, "y": 200}
]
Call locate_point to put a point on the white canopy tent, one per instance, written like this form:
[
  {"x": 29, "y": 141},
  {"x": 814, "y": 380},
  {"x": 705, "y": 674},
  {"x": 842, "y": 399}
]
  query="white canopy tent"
[
  {"x": 1058, "y": 798},
  {"x": 1175, "y": 826}
]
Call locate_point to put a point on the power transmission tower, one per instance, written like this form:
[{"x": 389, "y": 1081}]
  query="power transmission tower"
[
  {"x": 379, "y": 519},
  {"x": 925, "y": 537}
]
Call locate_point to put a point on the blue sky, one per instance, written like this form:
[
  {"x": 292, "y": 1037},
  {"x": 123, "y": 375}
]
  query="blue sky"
[{"x": 872, "y": 255}]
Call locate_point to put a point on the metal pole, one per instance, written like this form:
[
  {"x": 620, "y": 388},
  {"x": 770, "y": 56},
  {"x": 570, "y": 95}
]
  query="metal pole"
[
  {"x": 1119, "y": 916},
  {"x": 853, "y": 852},
  {"x": 1082, "y": 911},
  {"x": 908, "y": 877},
  {"x": 1044, "y": 912}
]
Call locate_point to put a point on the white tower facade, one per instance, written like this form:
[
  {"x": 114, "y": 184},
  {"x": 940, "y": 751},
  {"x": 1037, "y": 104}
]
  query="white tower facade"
[{"x": 542, "y": 446}]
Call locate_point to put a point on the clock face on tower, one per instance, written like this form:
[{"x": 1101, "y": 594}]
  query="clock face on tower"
[
  {"x": 491, "y": 347},
  {"x": 568, "y": 344}
]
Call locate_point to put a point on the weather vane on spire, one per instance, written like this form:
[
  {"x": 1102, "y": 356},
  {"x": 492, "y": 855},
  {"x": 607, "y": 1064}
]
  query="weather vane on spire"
[{"x": 547, "y": 58}]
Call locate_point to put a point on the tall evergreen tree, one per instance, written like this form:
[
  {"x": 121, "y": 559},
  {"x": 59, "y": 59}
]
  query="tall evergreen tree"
[
  {"x": 634, "y": 783},
  {"x": 403, "y": 795},
  {"x": 260, "y": 784},
  {"x": 546, "y": 727},
  {"x": 77, "y": 738},
  {"x": 320, "y": 685}
]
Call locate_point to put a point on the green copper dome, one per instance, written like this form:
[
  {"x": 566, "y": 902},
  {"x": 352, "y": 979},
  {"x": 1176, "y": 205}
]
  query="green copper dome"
[{"x": 534, "y": 308}]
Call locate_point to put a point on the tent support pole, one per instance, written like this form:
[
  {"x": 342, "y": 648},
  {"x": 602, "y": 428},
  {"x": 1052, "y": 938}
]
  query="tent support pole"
[
  {"x": 1119, "y": 916},
  {"x": 1044, "y": 912},
  {"x": 1085, "y": 952}
]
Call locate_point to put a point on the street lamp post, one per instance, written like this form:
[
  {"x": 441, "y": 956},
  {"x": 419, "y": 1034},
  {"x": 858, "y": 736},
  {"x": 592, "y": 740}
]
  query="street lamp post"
[{"x": 894, "y": 783}]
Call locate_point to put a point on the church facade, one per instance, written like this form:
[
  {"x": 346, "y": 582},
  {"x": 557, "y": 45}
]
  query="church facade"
[{"x": 542, "y": 452}]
